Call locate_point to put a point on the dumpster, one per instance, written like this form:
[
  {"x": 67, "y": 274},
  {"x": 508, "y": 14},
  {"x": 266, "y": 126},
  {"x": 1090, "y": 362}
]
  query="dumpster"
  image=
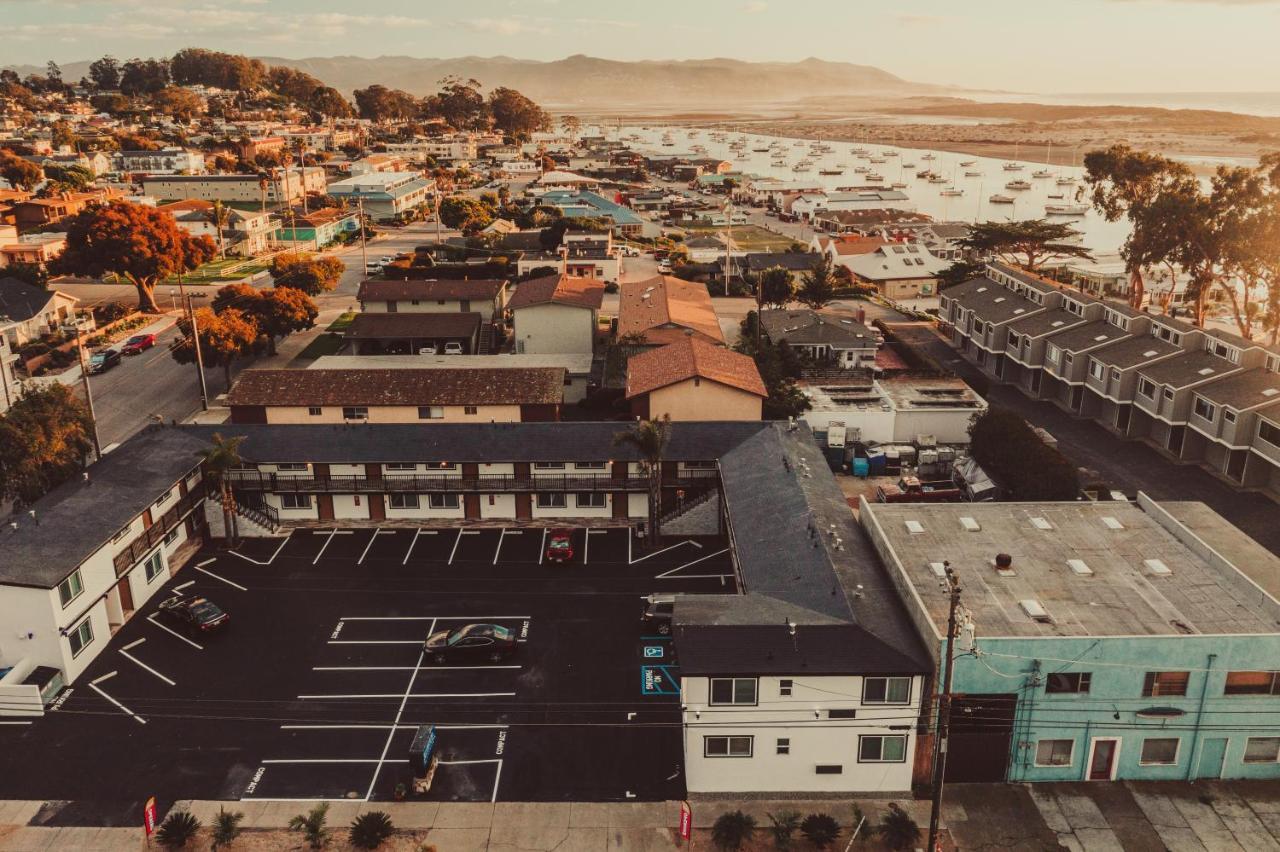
[
  {"x": 876, "y": 462},
  {"x": 860, "y": 466}
]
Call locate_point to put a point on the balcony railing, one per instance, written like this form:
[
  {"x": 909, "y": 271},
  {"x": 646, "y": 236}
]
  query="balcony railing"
[
  {"x": 154, "y": 534},
  {"x": 483, "y": 483}
]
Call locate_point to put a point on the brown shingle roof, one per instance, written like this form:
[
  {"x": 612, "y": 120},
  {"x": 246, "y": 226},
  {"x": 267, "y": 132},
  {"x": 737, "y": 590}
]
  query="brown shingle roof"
[
  {"x": 381, "y": 326},
  {"x": 663, "y": 304},
  {"x": 561, "y": 290},
  {"x": 688, "y": 358},
  {"x": 466, "y": 386},
  {"x": 430, "y": 289}
]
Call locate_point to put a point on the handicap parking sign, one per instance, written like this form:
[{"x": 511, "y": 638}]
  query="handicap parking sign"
[{"x": 653, "y": 651}]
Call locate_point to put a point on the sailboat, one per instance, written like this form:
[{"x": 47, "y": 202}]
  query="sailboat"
[
  {"x": 1048, "y": 158},
  {"x": 1013, "y": 165}
]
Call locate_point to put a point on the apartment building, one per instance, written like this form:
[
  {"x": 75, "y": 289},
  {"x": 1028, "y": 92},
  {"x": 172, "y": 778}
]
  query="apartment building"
[
  {"x": 283, "y": 186},
  {"x": 487, "y": 297},
  {"x": 386, "y": 196},
  {"x": 1201, "y": 395},
  {"x": 556, "y": 314},
  {"x": 166, "y": 161}
]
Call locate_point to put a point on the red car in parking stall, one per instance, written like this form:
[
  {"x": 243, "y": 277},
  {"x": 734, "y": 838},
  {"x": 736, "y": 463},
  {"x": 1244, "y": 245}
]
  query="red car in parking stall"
[
  {"x": 560, "y": 545},
  {"x": 137, "y": 344}
]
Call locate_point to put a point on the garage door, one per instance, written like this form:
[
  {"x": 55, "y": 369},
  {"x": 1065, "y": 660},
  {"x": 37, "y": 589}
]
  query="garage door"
[{"x": 981, "y": 731}]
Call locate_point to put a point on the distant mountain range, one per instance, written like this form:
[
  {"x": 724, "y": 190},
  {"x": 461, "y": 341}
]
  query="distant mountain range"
[{"x": 602, "y": 83}]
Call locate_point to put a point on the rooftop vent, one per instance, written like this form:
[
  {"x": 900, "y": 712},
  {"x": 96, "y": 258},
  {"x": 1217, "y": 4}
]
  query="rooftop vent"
[
  {"x": 1112, "y": 523},
  {"x": 1041, "y": 523},
  {"x": 1056, "y": 323},
  {"x": 914, "y": 527},
  {"x": 981, "y": 290},
  {"x": 939, "y": 569},
  {"x": 1035, "y": 611},
  {"x": 1004, "y": 565},
  {"x": 1150, "y": 353},
  {"x": 1155, "y": 566},
  {"x": 1079, "y": 566},
  {"x": 1101, "y": 337},
  {"x": 1020, "y": 310},
  {"x": 970, "y": 524},
  {"x": 999, "y": 299},
  {"x": 1206, "y": 371},
  {"x": 1270, "y": 391}
]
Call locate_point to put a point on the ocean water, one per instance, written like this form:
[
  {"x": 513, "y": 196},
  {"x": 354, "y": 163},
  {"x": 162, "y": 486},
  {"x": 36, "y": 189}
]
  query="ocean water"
[{"x": 1249, "y": 103}]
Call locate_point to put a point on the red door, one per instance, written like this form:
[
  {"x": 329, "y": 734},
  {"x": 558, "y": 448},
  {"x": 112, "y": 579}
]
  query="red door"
[
  {"x": 1104, "y": 756},
  {"x": 377, "y": 507}
]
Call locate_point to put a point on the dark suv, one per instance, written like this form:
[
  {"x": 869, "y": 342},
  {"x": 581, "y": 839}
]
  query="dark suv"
[
  {"x": 198, "y": 615},
  {"x": 657, "y": 613}
]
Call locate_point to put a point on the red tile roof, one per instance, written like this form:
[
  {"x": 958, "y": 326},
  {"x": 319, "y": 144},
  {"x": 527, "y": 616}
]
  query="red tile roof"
[
  {"x": 688, "y": 358},
  {"x": 430, "y": 289},
  {"x": 560, "y": 290},
  {"x": 658, "y": 306}
]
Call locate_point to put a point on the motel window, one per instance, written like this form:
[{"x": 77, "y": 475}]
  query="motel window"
[
  {"x": 355, "y": 412},
  {"x": 1262, "y": 750},
  {"x": 699, "y": 465},
  {"x": 295, "y": 501},
  {"x": 1168, "y": 394},
  {"x": 430, "y": 412},
  {"x": 1159, "y": 751},
  {"x": 70, "y": 588},
  {"x": 1146, "y": 388},
  {"x": 1252, "y": 683},
  {"x": 1067, "y": 683},
  {"x": 468, "y": 409},
  {"x": 443, "y": 501},
  {"x": 404, "y": 501},
  {"x": 1054, "y": 752},
  {"x": 882, "y": 749},
  {"x": 590, "y": 500},
  {"x": 165, "y": 496},
  {"x": 291, "y": 466},
  {"x": 589, "y": 465},
  {"x": 1165, "y": 683},
  {"x": 1204, "y": 409},
  {"x": 400, "y": 466},
  {"x": 733, "y": 690},
  {"x": 727, "y": 746},
  {"x": 548, "y": 465},
  {"x": 154, "y": 566},
  {"x": 551, "y": 501},
  {"x": 171, "y": 536},
  {"x": 784, "y": 745},
  {"x": 886, "y": 690},
  {"x": 80, "y": 636}
]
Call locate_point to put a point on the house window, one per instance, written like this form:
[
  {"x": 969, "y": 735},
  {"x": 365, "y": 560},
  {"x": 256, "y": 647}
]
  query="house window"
[
  {"x": 1228, "y": 415},
  {"x": 784, "y": 745},
  {"x": 165, "y": 496},
  {"x": 355, "y": 412},
  {"x": 1252, "y": 683},
  {"x": 829, "y": 769},
  {"x": 1262, "y": 750},
  {"x": 1159, "y": 751},
  {"x": 1165, "y": 683},
  {"x": 404, "y": 501},
  {"x": 882, "y": 749},
  {"x": 1067, "y": 683},
  {"x": 551, "y": 501},
  {"x": 80, "y": 636},
  {"x": 1269, "y": 433},
  {"x": 468, "y": 409},
  {"x": 1051, "y": 354},
  {"x": 733, "y": 690},
  {"x": 1146, "y": 388},
  {"x": 70, "y": 588},
  {"x": 392, "y": 307},
  {"x": 1054, "y": 752},
  {"x": 154, "y": 566},
  {"x": 589, "y": 465},
  {"x": 443, "y": 501},
  {"x": 784, "y": 687},
  {"x": 727, "y": 746},
  {"x": 171, "y": 536},
  {"x": 1204, "y": 409},
  {"x": 590, "y": 500},
  {"x": 1097, "y": 369},
  {"x": 295, "y": 501},
  {"x": 886, "y": 690},
  {"x": 842, "y": 714},
  {"x": 291, "y": 466},
  {"x": 548, "y": 465},
  {"x": 315, "y": 410},
  {"x": 699, "y": 465},
  {"x": 1168, "y": 394},
  {"x": 430, "y": 412},
  {"x": 400, "y": 466}
]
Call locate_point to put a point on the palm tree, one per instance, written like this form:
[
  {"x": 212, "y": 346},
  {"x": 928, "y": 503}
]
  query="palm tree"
[
  {"x": 219, "y": 215},
  {"x": 219, "y": 459},
  {"x": 649, "y": 438}
]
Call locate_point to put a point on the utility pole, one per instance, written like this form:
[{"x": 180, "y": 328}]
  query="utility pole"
[
  {"x": 438, "y": 238},
  {"x": 302, "y": 177},
  {"x": 942, "y": 727},
  {"x": 728, "y": 244},
  {"x": 88, "y": 392},
  {"x": 195, "y": 342},
  {"x": 364, "y": 257}
]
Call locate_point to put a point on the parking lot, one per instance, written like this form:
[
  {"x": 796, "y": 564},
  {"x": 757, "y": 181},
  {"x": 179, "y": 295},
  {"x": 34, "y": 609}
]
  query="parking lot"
[{"x": 319, "y": 683}]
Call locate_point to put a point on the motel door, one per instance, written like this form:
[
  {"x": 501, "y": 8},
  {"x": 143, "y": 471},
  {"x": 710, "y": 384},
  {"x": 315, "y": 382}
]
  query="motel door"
[{"x": 1102, "y": 760}]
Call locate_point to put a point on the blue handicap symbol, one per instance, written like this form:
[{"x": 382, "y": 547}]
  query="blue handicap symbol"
[{"x": 653, "y": 651}]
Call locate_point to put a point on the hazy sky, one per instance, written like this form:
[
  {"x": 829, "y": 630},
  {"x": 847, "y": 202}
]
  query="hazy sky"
[{"x": 1024, "y": 45}]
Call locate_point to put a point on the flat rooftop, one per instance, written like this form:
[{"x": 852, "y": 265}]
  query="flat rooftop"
[{"x": 1096, "y": 569}]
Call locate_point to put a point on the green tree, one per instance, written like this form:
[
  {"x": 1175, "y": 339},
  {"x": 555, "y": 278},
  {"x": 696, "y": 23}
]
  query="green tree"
[
  {"x": 45, "y": 437},
  {"x": 820, "y": 829},
  {"x": 67, "y": 178},
  {"x": 959, "y": 272},
  {"x": 32, "y": 273},
  {"x": 467, "y": 214},
  {"x": 178, "y": 829},
  {"x": 224, "y": 338},
  {"x": 649, "y": 438},
  {"x": 1011, "y": 452},
  {"x": 183, "y": 104},
  {"x": 141, "y": 244},
  {"x": 312, "y": 825},
  {"x": 731, "y": 830},
  {"x": 515, "y": 115},
  {"x": 378, "y": 103},
  {"x": 218, "y": 460},
  {"x": 460, "y": 103},
  {"x": 306, "y": 272},
  {"x": 105, "y": 73},
  {"x": 899, "y": 830},
  {"x": 62, "y": 134},
  {"x": 779, "y": 368},
  {"x": 1029, "y": 243},
  {"x": 370, "y": 830},
  {"x": 817, "y": 286},
  {"x": 226, "y": 828},
  {"x": 20, "y": 173},
  {"x": 777, "y": 289},
  {"x": 571, "y": 125},
  {"x": 783, "y": 827},
  {"x": 276, "y": 312},
  {"x": 144, "y": 76}
]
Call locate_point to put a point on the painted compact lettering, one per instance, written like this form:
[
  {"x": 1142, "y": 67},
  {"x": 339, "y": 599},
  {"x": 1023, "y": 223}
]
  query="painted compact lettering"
[
  {"x": 337, "y": 630},
  {"x": 253, "y": 784},
  {"x": 524, "y": 630},
  {"x": 502, "y": 742}
]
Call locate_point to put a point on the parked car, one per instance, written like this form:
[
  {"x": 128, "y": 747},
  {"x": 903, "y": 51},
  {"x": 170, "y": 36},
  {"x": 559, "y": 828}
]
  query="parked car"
[
  {"x": 199, "y": 615},
  {"x": 103, "y": 360},
  {"x": 657, "y": 614},
  {"x": 470, "y": 642},
  {"x": 372, "y": 267},
  {"x": 560, "y": 545},
  {"x": 386, "y": 260},
  {"x": 137, "y": 344},
  {"x": 453, "y": 347}
]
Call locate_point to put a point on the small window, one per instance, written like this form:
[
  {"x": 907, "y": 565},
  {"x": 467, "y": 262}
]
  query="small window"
[
  {"x": 154, "y": 566},
  {"x": 590, "y": 500},
  {"x": 80, "y": 636},
  {"x": 784, "y": 687},
  {"x": 315, "y": 410},
  {"x": 882, "y": 749},
  {"x": 70, "y": 588},
  {"x": 727, "y": 746},
  {"x": 165, "y": 496},
  {"x": 295, "y": 501},
  {"x": 1204, "y": 409},
  {"x": 551, "y": 501},
  {"x": 1165, "y": 683},
  {"x": 1228, "y": 415},
  {"x": 842, "y": 714},
  {"x": 699, "y": 465},
  {"x": 829, "y": 769},
  {"x": 1146, "y": 388},
  {"x": 1252, "y": 683},
  {"x": 589, "y": 465},
  {"x": 1054, "y": 752},
  {"x": 404, "y": 501},
  {"x": 430, "y": 412},
  {"x": 784, "y": 745},
  {"x": 733, "y": 690},
  {"x": 1159, "y": 751},
  {"x": 355, "y": 412},
  {"x": 171, "y": 536},
  {"x": 886, "y": 690},
  {"x": 468, "y": 409},
  {"x": 443, "y": 501},
  {"x": 1067, "y": 683},
  {"x": 1262, "y": 750}
]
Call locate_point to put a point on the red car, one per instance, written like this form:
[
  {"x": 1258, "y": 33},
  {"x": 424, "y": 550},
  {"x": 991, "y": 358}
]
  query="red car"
[
  {"x": 560, "y": 545},
  {"x": 138, "y": 343}
]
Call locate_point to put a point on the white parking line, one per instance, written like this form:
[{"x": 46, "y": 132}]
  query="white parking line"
[
  {"x": 458, "y": 540},
  {"x": 152, "y": 619},
  {"x": 206, "y": 562},
  {"x": 372, "y": 539},
  {"x": 106, "y": 676},
  {"x": 542, "y": 548},
  {"x": 370, "y": 727},
  {"x": 429, "y": 617},
  {"x": 333, "y": 760},
  {"x": 407, "y": 695},
  {"x": 407, "y": 668},
  {"x": 223, "y": 579},
  {"x": 283, "y": 542},
  {"x": 665, "y": 574},
  {"x": 501, "y": 537},
  {"x": 182, "y": 586},
  {"x": 375, "y": 641},
  {"x": 332, "y": 533},
  {"x": 656, "y": 552},
  {"x": 586, "y": 543},
  {"x": 135, "y": 643},
  {"x": 94, "y": 686},
  {"x": 24, "y": 723},
  {"x": 391, "y": 735},
  {"x": 124, "y": 652},
  {"x": 416, "y": 533}
]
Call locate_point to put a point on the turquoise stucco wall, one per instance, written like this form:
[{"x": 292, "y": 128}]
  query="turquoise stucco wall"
[{"x": 1117, "y": 666}]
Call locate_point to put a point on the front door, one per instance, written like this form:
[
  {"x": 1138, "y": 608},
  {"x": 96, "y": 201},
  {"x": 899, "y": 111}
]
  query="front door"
[
  {"x": 126, "y": 595},
  {"x": 324, "y": 505},
  {"x": 1212, "y": 754},
  {"x": 377, "y": 507},
  {"x": 1102, "y": 760}
]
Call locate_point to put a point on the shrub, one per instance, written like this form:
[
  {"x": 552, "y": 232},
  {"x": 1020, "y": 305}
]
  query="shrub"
[
  {"x": 312, "y": 825},
  {"x": 226, "y": 828},
  {"x": 177, "y": 830},
  {"x": 733, "y": 829},
  {"x": 368, "y": 831},
  {"x": 899, "y": 830},
  {"x": 820, "y": 829},
  {"x": 784, "y": 827},
  {"x": 1010, "y": 451}
]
